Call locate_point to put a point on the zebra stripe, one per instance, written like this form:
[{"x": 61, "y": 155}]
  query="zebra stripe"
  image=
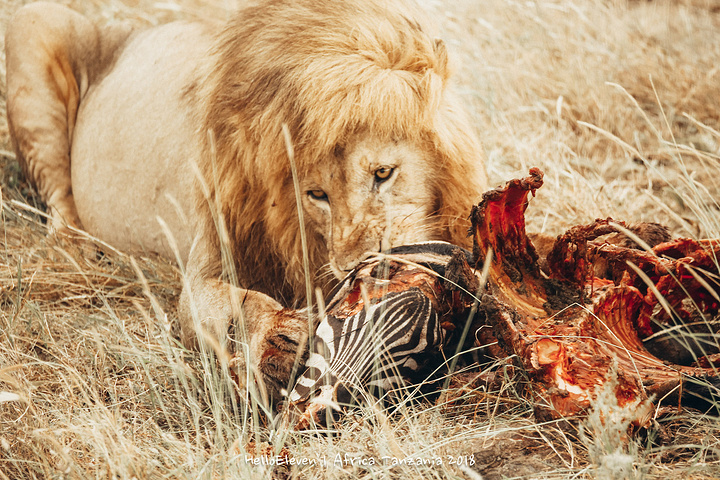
[
  {"x": 379, "y": 341},
  {"x": 400, "y": 325},
  {"x": 384, "y": 341}
]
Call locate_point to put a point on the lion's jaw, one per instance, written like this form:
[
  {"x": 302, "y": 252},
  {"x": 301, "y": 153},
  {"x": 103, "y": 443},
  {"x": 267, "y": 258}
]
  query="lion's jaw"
[{"x": 369, "y": 196}]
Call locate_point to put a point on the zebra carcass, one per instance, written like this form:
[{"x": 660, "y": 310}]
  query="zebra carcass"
[
  {"x": 599, "y": 305},
  {"x": 387, "y": 322}
]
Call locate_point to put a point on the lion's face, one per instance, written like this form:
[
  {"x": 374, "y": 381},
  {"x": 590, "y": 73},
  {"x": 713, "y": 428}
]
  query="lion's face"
[{"x": 369, "y": 195}]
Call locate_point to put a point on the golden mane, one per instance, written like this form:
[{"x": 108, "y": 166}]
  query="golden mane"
[{"x": 326, "y": 69}]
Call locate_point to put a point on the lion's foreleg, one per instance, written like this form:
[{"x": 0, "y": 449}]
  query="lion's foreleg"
[{"x": 259, "y": 333}]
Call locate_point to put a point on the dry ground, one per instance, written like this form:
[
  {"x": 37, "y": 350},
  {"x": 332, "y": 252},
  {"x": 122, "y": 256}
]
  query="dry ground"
[{"x": 618, "y": 102}]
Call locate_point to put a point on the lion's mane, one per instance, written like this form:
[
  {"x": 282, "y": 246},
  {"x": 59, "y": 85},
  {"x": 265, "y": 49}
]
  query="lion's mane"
[{"x": 326, "y": 69}]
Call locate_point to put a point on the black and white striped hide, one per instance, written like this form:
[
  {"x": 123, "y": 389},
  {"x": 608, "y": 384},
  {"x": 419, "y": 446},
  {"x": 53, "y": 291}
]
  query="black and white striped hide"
[{"x": 383, "y": 323}]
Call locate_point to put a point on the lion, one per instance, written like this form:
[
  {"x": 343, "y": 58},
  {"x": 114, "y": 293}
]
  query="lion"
[{"x": 264, "y": 155}]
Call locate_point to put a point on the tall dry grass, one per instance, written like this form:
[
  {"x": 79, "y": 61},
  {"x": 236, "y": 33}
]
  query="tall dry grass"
[{"x": 617, "y": 101}]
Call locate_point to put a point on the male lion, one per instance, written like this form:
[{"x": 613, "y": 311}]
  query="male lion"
[{"x": 185, "y": 122}]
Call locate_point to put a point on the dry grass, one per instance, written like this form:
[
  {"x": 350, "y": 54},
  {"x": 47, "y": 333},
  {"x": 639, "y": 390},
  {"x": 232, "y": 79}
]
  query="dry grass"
[{"x": 616, "y": 101}]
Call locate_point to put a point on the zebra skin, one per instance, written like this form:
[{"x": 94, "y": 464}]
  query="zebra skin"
[{"x": 383, "y": 323}]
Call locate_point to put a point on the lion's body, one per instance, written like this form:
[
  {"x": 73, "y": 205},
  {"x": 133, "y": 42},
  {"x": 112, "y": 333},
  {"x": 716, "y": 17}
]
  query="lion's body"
[
  {"x": 186, "y": 123},
  {"x": 135, "y": 143}
]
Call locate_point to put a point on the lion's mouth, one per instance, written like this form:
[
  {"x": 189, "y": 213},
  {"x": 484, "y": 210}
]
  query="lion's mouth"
[
  {"x": 338, "y": 272},
  {"x": 342, "y": 269}
]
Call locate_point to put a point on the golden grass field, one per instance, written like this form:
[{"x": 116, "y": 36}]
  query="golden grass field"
[{"x": 617, "y": 101}]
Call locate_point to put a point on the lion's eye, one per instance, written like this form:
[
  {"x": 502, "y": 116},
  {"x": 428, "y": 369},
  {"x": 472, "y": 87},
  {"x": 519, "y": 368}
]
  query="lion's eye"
[
  {"x": 383, "y": 173},
  {"x": 317, "y": 194}
]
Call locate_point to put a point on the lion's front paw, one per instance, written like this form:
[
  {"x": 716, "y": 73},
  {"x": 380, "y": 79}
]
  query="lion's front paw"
[
  {"x": 283, "y": 349},
  {"x": 264, "y": 340}
]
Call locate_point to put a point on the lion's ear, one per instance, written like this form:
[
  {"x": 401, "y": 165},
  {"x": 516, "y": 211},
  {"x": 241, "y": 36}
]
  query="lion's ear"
[{"x": 441, "y": 54}]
